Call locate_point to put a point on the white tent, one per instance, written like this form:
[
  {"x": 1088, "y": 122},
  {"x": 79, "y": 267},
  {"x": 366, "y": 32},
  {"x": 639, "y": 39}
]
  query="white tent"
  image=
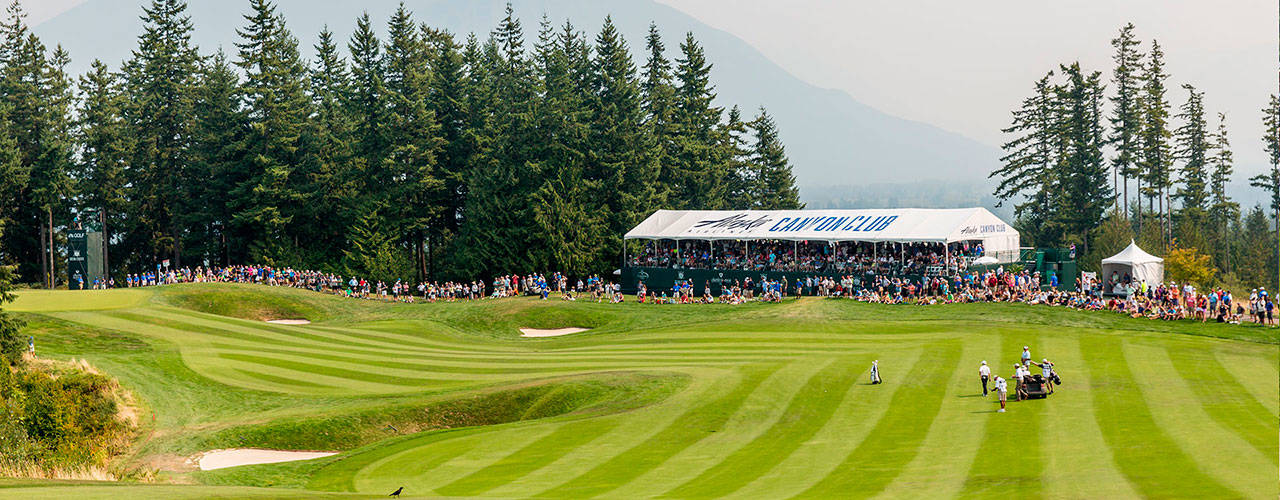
[
  {"x": 902, "y": 225},
  {"x": 1139, "y": 264}
]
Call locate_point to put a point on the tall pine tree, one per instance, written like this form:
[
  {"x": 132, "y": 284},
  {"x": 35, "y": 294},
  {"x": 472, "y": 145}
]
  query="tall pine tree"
[
  {"x": 1126, "y": 110},
  {"x": 159, "y": 83},
  {"x": 105, "y": 149},
  {"x": 277, "y": 107},
  {"x": 1157, "y": 159}
]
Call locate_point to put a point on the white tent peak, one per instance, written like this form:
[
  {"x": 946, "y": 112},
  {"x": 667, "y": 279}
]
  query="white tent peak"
[{"x": 1132, "y": 254}]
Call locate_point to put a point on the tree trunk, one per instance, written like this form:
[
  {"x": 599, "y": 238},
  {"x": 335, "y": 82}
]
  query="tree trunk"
[
  {"x": 44, "y": 257},
  {"x": 177, "y": 245},
  {"x": 106, "y": 246},
  {"x": 53, "y": 257}
]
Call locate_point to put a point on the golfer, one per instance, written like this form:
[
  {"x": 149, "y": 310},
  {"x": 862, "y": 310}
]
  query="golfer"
[
  {"x": 875, "y": 372},
  {"x": 1026, "y": 355},
  {"x": 984, "y": 373},
  {"x": 1001, "y": 391}
]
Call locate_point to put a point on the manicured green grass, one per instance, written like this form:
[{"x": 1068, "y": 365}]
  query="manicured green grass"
[{"x": 755, "y": 401}]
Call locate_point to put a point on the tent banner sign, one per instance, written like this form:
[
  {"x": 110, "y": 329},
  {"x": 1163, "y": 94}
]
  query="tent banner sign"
[{"x": 824, "y": 225}]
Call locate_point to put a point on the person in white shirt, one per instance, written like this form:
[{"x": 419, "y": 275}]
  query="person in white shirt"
[
  {"x": 984, "y": 373},
  {"x": 1017, "y": 381},
  {"x": 1046, "y": 371},
  {"x": 1001, "y": 391},
  {"x": 875, "y": 372},
  {"x": 1026, "y": 355}
]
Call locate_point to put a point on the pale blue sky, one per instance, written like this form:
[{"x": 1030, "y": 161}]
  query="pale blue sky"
[{"x": 964, "y": 65}]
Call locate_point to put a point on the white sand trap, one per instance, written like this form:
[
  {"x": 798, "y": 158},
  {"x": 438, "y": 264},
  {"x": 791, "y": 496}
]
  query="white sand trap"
[
  {"x": 534, "y": 332},
  {"x": 289, "y": 321},
  {"x": 221, "y": 459}
]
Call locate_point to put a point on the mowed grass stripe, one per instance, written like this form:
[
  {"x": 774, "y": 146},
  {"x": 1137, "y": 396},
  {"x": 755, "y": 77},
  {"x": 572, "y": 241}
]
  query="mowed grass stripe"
[
  {"x": 857, "y": 414},
  {"x": 145, "y": 323},
  {"x": 1146, "y": 455},
  {"x": 955, "y": 435},
  {"x": 1009, "y": 458},
  {"x": 686, "y": 430},
  {"x": 342, "y": 473},
  {"x": 1256, "y": 374},
  {"x": 896, "y": 438},
  {"x": 291, "y": 336},
  {"x": 477, "y": 368},
  {"x": 1218, "y": 451},
  {"x": 332, "y": 371},
  {"x": 758, "y": 412},
  {"x": 278, "y": 380},
  {"x": 1078, "y": 462},
  {"x": 810, "y": 409},
  {"x": 1226, "y": 400},
  {"x": 534, "y": 456}
]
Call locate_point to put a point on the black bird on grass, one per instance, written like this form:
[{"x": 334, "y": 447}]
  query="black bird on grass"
[{"x": 396, "y": 493}]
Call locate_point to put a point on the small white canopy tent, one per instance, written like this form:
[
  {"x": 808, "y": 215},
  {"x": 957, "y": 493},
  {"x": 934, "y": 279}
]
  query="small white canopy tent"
[{"x": 1139, "y": 264}]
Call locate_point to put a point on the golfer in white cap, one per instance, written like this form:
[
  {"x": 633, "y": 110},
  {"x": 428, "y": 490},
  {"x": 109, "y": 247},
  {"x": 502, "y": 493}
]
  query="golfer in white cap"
[
  {"x": 1026, "y": 355},
  {"x": 984, "y": 373}
]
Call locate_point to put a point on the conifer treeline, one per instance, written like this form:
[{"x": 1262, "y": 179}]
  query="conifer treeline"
[
  {"x": 1068, "y": 190},
  {"x": 420, "y": 154}
]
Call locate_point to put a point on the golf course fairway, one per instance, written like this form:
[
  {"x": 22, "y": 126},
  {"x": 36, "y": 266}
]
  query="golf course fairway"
[{"x": 677, "y": 401}]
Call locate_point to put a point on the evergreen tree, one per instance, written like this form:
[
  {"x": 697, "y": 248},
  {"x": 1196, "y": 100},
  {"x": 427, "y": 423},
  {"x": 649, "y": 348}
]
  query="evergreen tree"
[
  {"x": 448, "y": 101},
  {"x": 367, "y": 99},
  {"x": 218, "y": 131},
  {"x": 740, "y": 190},
  {"x": 159, "y": 85},
  {"x": 1222, "y": 210},
  {"x": 105, "y": 149},
  {"x": 1083, "y": 193},
  {"x": 699, "y": 166},
  {"x": 775, "y": 184},
  {"x": 277, "y": 107},
  {"x": 1156, "y": 160},
  {"x": 619, "y": 162},
  {"x": 1027, "y": 173},
  {"x": 38, "y": 96},
  {"x": 1126, "y": 117},
  {"x": 1192, "y": 149},
  {"x": 502, "y": 175},
  {"x": 329, "y": 171},
  {"x": 1270, "y": 181},
  {"x": 567, "y": 220},
  {"x": 1255, "y": 249},
  {"x": 412, "y": 186},
  {"x": 657, "y": 96}
]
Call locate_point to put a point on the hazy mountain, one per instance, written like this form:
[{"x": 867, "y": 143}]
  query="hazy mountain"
[{"x": 832, "y": 138}]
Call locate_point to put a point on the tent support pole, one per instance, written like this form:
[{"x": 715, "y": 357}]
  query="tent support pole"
[{"x": 795, "y": 256}]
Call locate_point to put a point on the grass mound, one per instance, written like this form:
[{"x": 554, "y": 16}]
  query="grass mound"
[
  {"x": 581, "y": 396},
  {"x": 251, "y": 302}
]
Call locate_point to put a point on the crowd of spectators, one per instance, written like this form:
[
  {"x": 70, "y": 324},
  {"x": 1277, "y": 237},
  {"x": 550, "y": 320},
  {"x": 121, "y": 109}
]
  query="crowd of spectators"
[
  {"x": 879, "y": 259},
  {"x": 1165, "y": 301}
]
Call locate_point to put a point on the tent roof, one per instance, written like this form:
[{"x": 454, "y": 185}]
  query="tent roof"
[
  {"x": 1132, "y": 255},
  {"x": 894, "y": 225}
]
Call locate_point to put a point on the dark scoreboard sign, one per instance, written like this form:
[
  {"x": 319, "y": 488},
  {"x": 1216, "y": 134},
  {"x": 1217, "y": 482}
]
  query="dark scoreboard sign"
[{"x": 78, "y": 259}]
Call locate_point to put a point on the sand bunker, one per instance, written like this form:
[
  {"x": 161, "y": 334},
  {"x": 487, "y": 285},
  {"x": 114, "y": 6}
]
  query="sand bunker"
[
  {"x": 289, "y": 322},
  {"x": 534, "y": 332},
  {"x": 221, "y": 459}
]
